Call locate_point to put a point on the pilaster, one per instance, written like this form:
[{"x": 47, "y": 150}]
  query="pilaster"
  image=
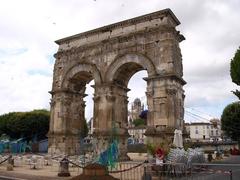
[
  {"x": 110, "y": 117},
  {"x": 165, "y": 104},
  {"x": 66, "y": 122}
]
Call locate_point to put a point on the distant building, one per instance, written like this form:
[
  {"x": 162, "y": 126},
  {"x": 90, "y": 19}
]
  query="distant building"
[
  {"x": 215, "y": 130},
  {"x": 198, "y": 131},
  {"x": 201, "y": 131},
  {"x": 136, "y": 109},
  {"x": 137, "y": 134}
]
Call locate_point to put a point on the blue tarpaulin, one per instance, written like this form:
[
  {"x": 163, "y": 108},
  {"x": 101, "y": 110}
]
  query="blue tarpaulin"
[
  {"x": 110, "y": 156},
  {"x": 18, "y": 146},
  {"x": 43, "y": 146}
]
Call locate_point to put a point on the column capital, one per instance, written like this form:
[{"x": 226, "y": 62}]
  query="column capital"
[
  {"x": 149, "y": 94},
  {"x": 67, "y": 92},
  {"x": 166, "y": 77},
  {"x": 111, "y": 97},
  {"x": 52, "y": 102},
  {"x": 171, "y": 91},
  {"x": 111, "y": 86}
]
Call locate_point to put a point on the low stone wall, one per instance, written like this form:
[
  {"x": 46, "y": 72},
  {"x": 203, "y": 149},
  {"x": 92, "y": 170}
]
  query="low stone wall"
[
  {"x": 137, "y": 148},
  {"x": 213, "y": 146}
]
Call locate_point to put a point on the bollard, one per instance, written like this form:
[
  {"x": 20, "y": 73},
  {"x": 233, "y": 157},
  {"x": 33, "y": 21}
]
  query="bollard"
[
  {"x": 11, "y": 160},
  {"x": 230, "y": 174},
  {"x": 63, "y": 169},
  {"x": 10, "y": 163}
]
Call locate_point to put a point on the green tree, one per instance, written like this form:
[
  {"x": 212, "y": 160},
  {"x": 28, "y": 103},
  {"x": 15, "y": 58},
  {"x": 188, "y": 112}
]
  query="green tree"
[
  {"x": 235, "y": 71},
  {"x": 138, "y": 122},
  {"x": 231, "y": 121},
  {"x": 25, "y": 124}
]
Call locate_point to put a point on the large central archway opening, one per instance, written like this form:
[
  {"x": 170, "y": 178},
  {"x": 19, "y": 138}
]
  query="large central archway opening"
[
  {"x": 137, "y": 107},
  {"x": 121, "y": 71},
  {"x": 130, "y": 76},
  {"x": 137, "y": 100},
  {"x": 125, "y": 72}
]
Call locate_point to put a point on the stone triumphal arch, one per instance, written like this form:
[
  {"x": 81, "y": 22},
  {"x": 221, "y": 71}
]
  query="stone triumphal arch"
[{"x": 110, "y": 56}]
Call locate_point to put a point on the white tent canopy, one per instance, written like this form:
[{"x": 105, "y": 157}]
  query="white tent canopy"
[{"x": 178, "y": 141}]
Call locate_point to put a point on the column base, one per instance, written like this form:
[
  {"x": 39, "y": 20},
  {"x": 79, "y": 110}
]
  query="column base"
[
  {"x": 63, "y": 144},
  {"x": 103, "y": 139},
  {"x": 160, "y": 136}
]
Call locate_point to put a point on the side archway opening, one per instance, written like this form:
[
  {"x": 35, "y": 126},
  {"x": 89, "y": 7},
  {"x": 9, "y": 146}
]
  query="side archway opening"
[{"x": 77, "y": 87}]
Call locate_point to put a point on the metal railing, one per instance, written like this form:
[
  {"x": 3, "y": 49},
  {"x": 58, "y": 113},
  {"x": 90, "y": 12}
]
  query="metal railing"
[
  {"x": 128, "y": 170},
  {"x": 148, "y": 171},
  {"x": 139, "y": 170},
  {"x": 5, "y": 159}
]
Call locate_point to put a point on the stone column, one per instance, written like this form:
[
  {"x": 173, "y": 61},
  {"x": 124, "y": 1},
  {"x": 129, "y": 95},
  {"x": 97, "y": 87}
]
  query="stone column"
[
  {"x": 66, "y": 122},
  {"x": 110, "y": 118},
  {"x": 165, "y": 105}
]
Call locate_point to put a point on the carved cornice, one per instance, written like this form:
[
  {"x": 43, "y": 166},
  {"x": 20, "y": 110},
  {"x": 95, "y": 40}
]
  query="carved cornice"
[
  {"x": 109, "y": 28},
  {"x": 180, "y": 37}
]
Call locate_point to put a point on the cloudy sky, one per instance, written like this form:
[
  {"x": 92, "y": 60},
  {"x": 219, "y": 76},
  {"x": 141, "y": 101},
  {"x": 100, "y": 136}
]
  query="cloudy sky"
[{"x": 29, "y": 28}]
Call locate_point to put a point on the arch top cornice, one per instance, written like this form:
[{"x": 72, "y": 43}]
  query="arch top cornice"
[
  {"x": 156, "y": 20},
  {"x": 165, "y": 13}
]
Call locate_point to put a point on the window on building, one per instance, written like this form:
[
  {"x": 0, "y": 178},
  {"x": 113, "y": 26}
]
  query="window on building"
[
  {"x": 196, "y": 132},
  {"x": 207, "y": 127},
  {"x": 216, "y": 132},
  {"x": 211, "y": 132}
]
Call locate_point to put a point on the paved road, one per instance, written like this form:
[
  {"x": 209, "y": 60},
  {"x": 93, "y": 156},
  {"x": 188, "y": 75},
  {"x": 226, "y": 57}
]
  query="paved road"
[{"x": 219, "y": 172}]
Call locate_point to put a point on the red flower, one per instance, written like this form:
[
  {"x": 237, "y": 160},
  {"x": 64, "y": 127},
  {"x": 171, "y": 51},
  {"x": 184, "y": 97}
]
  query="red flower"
[{"x": 159, "y": 153}]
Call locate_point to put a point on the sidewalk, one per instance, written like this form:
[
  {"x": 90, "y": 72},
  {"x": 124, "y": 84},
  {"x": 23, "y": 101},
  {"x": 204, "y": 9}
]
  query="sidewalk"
[{"x": 24, "y": 172}]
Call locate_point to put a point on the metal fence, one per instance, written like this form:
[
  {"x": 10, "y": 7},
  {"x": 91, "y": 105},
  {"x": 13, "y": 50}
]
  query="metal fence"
[
  {"x": 198, "y": 171},
  {"x": 128, "y": 170},
  {"x": 133, "y": 170}
]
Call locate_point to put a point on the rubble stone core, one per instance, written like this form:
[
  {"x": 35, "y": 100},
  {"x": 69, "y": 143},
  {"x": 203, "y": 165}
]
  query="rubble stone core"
[{"x": 110, "y": 56}]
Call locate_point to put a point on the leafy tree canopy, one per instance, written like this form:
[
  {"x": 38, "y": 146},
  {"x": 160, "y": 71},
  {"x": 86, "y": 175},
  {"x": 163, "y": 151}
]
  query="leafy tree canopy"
[
  {"x": 33, "y": 124},
  {"x": 138, "y": 122},
  {"x": 231, "y": 121},
  {"x": 235, "y": 71}
]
